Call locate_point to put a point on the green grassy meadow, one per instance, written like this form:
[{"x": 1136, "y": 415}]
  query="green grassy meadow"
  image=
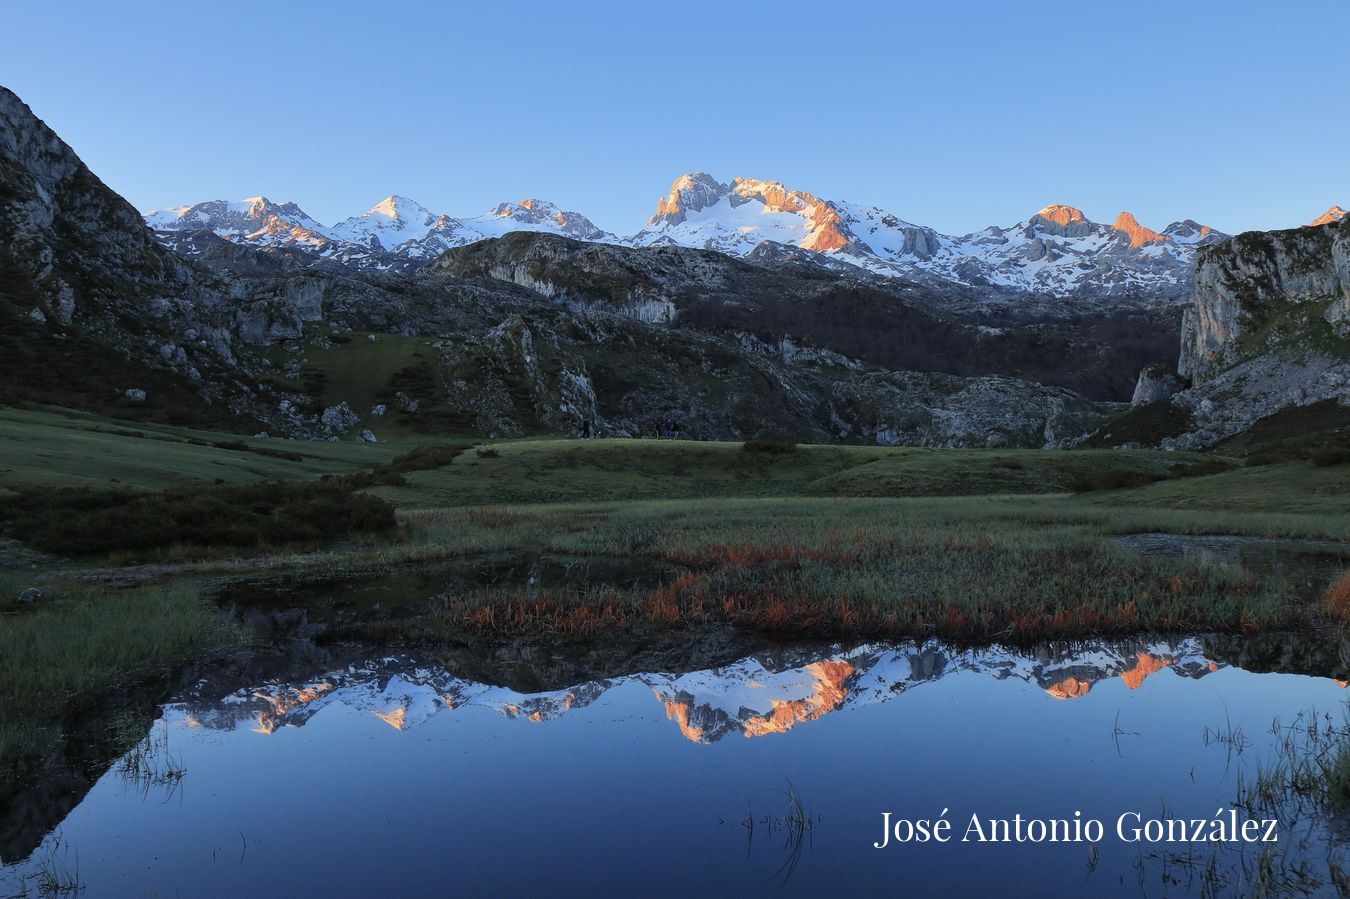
[{"x": 53, "y": 447}]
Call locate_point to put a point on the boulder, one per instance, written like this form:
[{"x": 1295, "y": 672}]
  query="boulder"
[
  {"x": 339, "y": 419},
  {"x": 1156, "y": 383}
]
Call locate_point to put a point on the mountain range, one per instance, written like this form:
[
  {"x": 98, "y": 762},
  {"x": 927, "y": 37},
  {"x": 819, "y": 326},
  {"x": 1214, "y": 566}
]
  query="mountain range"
[
  {"x": 1057, "y": 251},
  {"x": 387, "y": 236},
  {"x": 254, "y": 318}
]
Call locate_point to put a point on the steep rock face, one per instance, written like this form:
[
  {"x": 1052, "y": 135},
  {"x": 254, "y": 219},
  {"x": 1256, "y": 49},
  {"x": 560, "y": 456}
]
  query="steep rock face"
[
  {"x": 1136, "y": 233},
  {"x": 1061, "y": 221},
  {"x": 1267, "y": 329},
  {"x": 579, "y": 272},
  {"x": 87, "y": 288},
  {"x": 1251, "y": 291},
  {"x": 887, "y": 322}
]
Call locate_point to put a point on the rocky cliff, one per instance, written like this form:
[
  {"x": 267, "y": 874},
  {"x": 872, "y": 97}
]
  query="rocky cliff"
[
  {"x": 1268, "y": 328},
  {"x": 94, "y": 308},
  {"x": 1263, "y": 292}
]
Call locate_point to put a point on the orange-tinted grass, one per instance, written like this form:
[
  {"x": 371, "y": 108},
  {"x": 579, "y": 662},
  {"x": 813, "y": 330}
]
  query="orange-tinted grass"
[{"x": 1337, "y": 599}]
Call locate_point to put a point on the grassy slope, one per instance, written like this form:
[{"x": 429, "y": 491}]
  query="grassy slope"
[
  {"x": 361, "y": 372},
  {"x": 54, "y": 447},
  {"x": 536, "y": 471},
  {"x": 1293, "y": 487}
]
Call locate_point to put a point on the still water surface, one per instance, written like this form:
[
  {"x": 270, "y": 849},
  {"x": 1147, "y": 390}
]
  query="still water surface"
[{"x": 393, "y": 776}]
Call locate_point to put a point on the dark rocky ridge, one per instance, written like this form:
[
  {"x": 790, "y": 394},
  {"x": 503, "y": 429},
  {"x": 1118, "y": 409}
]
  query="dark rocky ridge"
[{"x": 787, "y": 294}]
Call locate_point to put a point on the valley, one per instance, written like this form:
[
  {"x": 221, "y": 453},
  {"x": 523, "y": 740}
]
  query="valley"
[{"x": 767, "y": 459}]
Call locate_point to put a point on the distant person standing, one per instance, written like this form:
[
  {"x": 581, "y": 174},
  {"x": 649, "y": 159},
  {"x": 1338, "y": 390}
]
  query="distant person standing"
[{"x": 585, "y": 429}]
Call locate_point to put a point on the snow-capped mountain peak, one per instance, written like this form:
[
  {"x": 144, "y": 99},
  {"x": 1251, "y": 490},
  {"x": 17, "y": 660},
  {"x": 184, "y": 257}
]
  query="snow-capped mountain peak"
[
  {"x": 537, "y": 215},
  {"x": 691, "y": 192},
  {"x": 1057, "y": 250},
  {"x": 1333, "y": 214},
  {"x": 1061, "y": 215},
  {"x": 235, "y": 220},
  {"x": 734, "y": 218},
  {"x": 395, "y": 206},
  {"x": 391, "y": 222},
  {"x": 1061, "y": 221},
  {"x": 1191, "y": 233}
]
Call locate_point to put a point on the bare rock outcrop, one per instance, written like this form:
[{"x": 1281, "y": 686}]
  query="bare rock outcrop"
[{"x": 1266, "y": 330}]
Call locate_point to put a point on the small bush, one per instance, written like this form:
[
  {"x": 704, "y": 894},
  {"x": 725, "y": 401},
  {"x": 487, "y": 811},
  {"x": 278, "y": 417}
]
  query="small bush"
[
  {"x": 487, "y": 452},
  {"x": 80, "y": 522},
  {"x": 1199, "y": 469},
  {"x": 771, "y": 445},
  {"x": 425, "y": 458},
  {"x": 239, "y": 446},
  {"x": 1329, "y": 456},
  {"x": 1115, "y": 479}
]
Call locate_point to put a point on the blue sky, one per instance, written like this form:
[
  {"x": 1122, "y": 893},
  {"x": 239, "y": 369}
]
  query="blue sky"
[{"x": 954, "y": 115}]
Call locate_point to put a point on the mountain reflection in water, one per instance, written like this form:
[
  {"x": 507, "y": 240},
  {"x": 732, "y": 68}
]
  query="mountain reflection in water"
[
  {"x": 501, "y": 771},
  {"x": 752, "y": 697}
]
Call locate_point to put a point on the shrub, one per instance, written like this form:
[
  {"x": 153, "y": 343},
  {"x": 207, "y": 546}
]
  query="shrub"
[
  {"x": 1331, "y": 455},
  {"x": 71, "y": 521},
  {"x": 1200, "y": 469},
  {"x": 772, "y": 445},
  {"x": 391, "y": 474},
  {"x": 425, "y": 458},
  {"x": 1114, "y": 479},
  {"x": 487, "y": 452}
]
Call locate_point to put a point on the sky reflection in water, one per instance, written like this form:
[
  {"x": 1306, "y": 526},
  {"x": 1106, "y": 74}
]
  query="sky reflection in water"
[{"x": 395, "y": 776}]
